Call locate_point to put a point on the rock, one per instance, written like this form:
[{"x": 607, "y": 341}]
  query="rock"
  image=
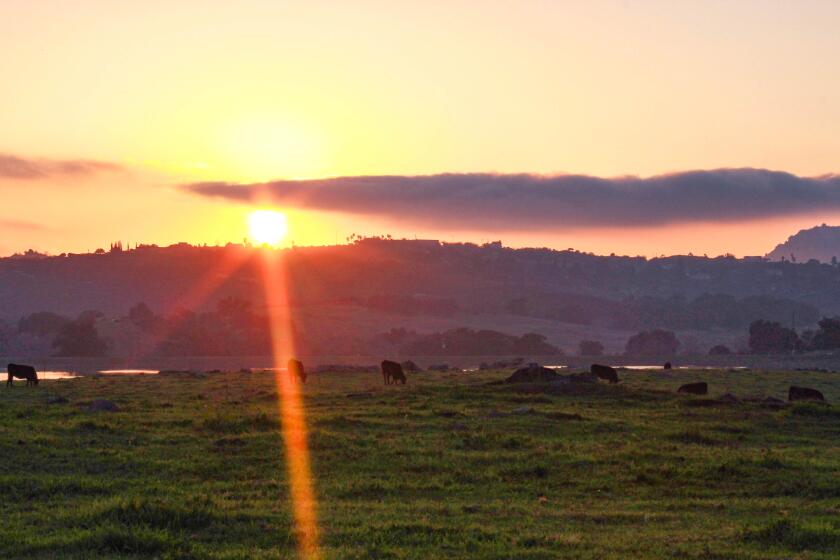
[
  {"x": 533, "y": 374},
  {"x": 57, "y": 399},
  {"x": 102, "y": 405},
  {"x": 459, "y": 427},
  {"x": 606, "y": 373},
  {"x": 583, "y": 377},
  {"x": 700, "y": 388},
  {"x": 804, "y": 394},
  {"x": 729, "y": 398}
]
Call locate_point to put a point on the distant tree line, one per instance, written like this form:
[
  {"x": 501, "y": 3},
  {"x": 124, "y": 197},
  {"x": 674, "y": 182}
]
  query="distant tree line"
[
  {"x": 232, "y": 328},
  {"x": 707, "y": 311},
  {"x": 69, "y": 337},
  {"x": 770, "y": 337},
  {"x": 469, "y": 342}
]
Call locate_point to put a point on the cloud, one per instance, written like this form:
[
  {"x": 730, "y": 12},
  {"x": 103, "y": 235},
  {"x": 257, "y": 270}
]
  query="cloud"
[
  {"x": 536, "y": 202},
  {"x": 16, "y": 167},
  {"x": 11, "y": 225}
]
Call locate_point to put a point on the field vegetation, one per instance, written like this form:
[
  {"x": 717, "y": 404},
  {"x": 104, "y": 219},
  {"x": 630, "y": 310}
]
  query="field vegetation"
[{"x": 448, "y": 466}]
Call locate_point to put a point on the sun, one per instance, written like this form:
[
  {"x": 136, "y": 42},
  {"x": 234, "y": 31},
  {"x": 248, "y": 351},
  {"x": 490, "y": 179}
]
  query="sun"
[{"x": 267, "y": 227}]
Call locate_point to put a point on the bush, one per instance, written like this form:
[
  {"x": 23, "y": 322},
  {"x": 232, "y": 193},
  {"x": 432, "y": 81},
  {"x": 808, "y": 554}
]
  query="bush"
[
  {"x": 590, "y": 348},
  {"x": 657, "y": 342},
  {"x": 719, "y": 350}
]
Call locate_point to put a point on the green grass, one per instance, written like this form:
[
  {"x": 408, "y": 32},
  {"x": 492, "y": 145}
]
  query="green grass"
[{"x": 446, "y": 466}]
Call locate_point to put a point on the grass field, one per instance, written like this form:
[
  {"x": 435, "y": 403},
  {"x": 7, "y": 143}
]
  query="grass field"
[{"x": 445, "y": 467}]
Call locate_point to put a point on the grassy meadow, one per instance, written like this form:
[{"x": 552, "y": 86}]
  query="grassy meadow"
[{"x": 447, "y": 466}]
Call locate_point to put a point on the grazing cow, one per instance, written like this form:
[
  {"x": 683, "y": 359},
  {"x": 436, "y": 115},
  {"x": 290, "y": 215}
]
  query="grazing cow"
[
  {"x": 606, "y": 373},
  {"x": 295, "y": 370},
  {"x": 22, "y": 372},
  {"x": 392, "y": 372},
  {"x": 700, "y": 388},
  {"x": 804, "y": 394}
]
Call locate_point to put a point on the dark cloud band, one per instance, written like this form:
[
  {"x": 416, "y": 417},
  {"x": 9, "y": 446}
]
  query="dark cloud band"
[
  {"x": 535, "y": 202},
  {"x": 15, "y": 167}
]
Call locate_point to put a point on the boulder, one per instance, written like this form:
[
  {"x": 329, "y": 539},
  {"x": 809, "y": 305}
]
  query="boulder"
[
  {"x": 533, "y": 374},
  {"x": 583, "y": 377},
  {"x": 804, "y": 394},
  {"x": 606, "y": 373},
  {"x": 701, "y": 388}
]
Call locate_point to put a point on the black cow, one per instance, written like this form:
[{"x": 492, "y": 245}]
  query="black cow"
[
  {"x": 667, "y": 365},
  {"x": 22, "y": 372},
  {"x": 606, "y": 373},
  {"x": 700, "y": 388},
  {"x": 295, "y": 370},
  {"x": 804, "y": 394},
  {"x": 392, "y": 372}
]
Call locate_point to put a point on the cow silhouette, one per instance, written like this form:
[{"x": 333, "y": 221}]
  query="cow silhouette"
[
  {"x": 606, "y": 373},
  {"x": 392, "y": 372},
  {"x": 22, "y": 372},
  {"x": 296, "y": 370}
]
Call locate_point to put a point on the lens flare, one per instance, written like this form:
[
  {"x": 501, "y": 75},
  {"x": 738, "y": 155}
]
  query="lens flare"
[{"x": 291, "y": 407}]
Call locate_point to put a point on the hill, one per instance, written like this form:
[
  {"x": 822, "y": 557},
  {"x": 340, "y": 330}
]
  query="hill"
[
  {"x": 345, "y": 297},
  {"x": 821, "y": 243}
]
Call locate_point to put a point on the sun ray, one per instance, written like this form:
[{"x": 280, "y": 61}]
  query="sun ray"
[
  {"x": 290, "y": 405},
  {"x": 230, "y": 261}
]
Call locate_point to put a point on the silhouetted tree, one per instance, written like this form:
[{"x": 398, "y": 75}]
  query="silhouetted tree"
[
  {"x": 590, "y": 348},
  {"x": 79, "y": 338},
  {"x": 719, "y": 350},
  {"x": 42, "y": 323},
  {"x": 469, "y": 342},
  {"x": 769, "y": 337},
  {"x": 828, "y": 335},
  {"x": 657, "y": 342},
  {"x": 143, "y": 318}
]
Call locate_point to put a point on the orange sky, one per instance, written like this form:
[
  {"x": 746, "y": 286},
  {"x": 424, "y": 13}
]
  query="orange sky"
[{"x": 256, "y": 90}]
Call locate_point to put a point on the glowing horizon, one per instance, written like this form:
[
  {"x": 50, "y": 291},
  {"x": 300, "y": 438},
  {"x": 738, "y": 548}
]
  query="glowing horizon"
[{"x": 167, "y": 94}]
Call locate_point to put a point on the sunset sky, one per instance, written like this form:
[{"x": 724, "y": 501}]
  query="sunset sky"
[{"x": 160, "y": 121}]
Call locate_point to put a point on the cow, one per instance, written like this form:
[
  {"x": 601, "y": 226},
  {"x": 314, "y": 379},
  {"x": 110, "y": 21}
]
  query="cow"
[
  {"x": 606, "y": 373},
  {"x": 392, "y": 372},
  {"x": 22, "y": 372},
  {"x": 804, "y": 394},
  {"x": 296, "y": 371},
  {"x": 667, "y": 365},
  {"x": 700, "y": 388}
]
